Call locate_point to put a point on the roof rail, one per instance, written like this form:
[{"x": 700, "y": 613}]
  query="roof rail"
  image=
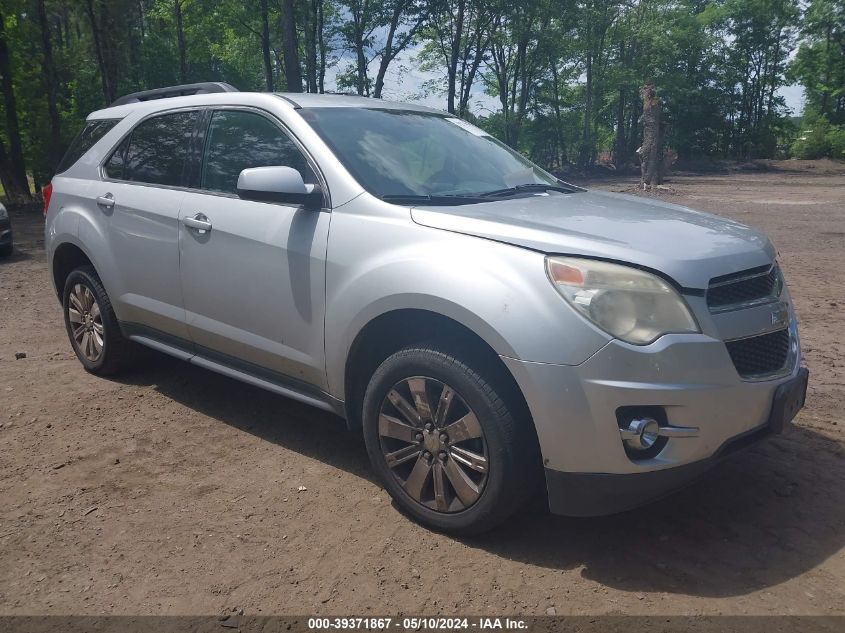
[{"x": 203, "y": 88}]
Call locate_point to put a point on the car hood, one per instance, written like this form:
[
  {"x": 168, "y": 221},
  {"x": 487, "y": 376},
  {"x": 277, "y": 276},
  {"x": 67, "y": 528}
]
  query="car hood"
[{"x": 690, "y": 246}]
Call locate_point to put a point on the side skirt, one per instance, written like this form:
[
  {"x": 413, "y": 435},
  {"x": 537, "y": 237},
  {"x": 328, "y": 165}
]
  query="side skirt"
[{"x": 233, "y": 368}]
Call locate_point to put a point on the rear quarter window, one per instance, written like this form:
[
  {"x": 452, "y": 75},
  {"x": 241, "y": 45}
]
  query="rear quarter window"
[{"x": 85, "y": 140}]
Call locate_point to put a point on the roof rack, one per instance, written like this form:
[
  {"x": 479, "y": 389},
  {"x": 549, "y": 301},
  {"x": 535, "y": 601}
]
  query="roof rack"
[{"x": 206, "y": 87}]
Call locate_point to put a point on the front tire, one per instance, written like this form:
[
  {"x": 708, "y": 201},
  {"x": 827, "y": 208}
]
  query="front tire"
[
  {"x": 449, "y": 448},
  {"x": 92, "y": 325}
]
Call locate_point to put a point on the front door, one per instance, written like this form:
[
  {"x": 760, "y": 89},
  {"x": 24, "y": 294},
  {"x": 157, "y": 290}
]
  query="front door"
[{"x": 253, "y": 273}]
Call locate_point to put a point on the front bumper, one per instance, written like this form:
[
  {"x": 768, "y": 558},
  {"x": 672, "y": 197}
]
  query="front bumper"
[
  {"x": 596, "y": 494},
  {"x": 691, "y": 377}
]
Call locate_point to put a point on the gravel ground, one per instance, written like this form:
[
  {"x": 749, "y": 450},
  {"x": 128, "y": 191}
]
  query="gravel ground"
[{"x": 174, "y": 490}]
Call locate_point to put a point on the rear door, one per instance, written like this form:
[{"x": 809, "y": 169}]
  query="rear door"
[
  {"x": 143, "y": 190},
  {"x": 254, "y": 280}
]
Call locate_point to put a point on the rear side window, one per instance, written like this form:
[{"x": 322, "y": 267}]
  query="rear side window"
[
  {"x": 237, "y": 140},
  {"x": 156, "y": 151},
  {"x": 85, "y": 140}
]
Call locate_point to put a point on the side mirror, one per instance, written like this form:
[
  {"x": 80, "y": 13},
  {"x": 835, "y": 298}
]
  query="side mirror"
[{"x": 278, "y": 184}]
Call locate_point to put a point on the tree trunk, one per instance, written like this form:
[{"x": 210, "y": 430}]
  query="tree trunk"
[
  {"x": 387, "y": 53},
  {"x": 455, "y": 52},
  {"x": 180, "y": 42},
  {"x": 651, "y": 151},
  {"x": 466, "y": 89},
  {"x": 586, "y": 136},
  {"x": 293, "y": 73},
  {"x": 323, "y": 49},
  {"x": 620, "y": 156},
  {"x": 265, "y": 46},
  {"x": 52, "y": 83},
  {"x": 311, "y": 22},
  {"x": 10, "y": 182},
  {"x": 361, "y": 83},
  {"x": 14, "y": 166},
  {"x": 560, "y": 147},
  {"x": 109, "y": 93}
]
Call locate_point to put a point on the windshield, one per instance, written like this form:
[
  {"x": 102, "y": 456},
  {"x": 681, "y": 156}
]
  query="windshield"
[{"x": 406, "y": 153}]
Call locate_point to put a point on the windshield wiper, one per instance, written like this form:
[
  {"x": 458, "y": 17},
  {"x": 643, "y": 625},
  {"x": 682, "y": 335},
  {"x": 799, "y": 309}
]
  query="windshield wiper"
[
  {"x": 429, "y": 199},
  {"x": 526, "y": 188}
]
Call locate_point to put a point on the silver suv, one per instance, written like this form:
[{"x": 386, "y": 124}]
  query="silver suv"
[{"x": 485, "y": 325}]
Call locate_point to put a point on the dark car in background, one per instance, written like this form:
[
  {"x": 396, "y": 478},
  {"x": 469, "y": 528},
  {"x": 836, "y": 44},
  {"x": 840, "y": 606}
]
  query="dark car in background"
[{"x": 5, "y": 232}]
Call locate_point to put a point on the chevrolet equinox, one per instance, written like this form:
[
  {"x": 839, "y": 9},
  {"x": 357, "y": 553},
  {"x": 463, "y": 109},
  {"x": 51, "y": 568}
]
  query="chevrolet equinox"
[{"x": 485, "y": 325}]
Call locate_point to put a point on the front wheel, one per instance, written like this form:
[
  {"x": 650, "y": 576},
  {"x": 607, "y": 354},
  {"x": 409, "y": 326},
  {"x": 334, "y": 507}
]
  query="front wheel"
[{"x": 450, "y": 450}]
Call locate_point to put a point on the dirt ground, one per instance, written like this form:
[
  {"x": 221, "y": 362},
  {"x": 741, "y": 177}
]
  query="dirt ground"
[{"x": 175, "y": 491}]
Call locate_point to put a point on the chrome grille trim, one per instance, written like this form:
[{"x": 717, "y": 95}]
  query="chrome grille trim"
[{"x": 756, "y": 286}]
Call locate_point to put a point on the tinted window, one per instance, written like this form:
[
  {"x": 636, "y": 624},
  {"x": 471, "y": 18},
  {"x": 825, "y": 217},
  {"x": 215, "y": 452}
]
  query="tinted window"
[
  {"x": 238, "y": 140},
  {"x": 85, "y": 140},
  {"x": 157, "y": 150},
  {"x": 114, "y": 166}
]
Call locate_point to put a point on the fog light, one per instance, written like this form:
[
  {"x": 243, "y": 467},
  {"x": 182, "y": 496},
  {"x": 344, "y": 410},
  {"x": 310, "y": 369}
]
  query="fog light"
[{"x": 641, "y": 434}]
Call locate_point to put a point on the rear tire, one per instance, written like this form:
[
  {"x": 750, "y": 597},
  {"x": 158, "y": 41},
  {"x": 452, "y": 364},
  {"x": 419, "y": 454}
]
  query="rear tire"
[
  {"x": 6, "y": 250},
  {"x": 92, "y": 325},
  {"x": 475, "y": 465}
]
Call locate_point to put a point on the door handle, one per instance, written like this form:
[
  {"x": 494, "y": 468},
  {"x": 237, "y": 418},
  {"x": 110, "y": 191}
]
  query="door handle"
[
  {"x": 199, "y": 222},
  {"x": 106, "y": 201}
]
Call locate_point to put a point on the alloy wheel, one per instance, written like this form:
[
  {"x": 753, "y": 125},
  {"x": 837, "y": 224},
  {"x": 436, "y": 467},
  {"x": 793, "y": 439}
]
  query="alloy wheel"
[
  {"x": 86, "y": 322},
  {"x": 433, "y": 444}
]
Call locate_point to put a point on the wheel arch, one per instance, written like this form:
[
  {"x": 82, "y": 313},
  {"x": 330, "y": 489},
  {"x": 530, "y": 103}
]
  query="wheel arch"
[
  {"x": 67, "y": 257},
  {"x": 391, "y": 331}
]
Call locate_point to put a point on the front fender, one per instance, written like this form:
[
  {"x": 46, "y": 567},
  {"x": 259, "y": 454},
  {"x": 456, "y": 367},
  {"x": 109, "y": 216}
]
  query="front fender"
[{"x": 379, "y": 263}]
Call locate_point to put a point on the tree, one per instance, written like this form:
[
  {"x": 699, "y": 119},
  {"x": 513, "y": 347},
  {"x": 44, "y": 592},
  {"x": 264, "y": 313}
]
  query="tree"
[
  {"x": 293, "y": 72},
  {"x": 13, "y": 165},
  {"x": 651, "y": 150},
  {"x": 180, "y": 41},
  {"x": 51, "y": 81},
  {"x": 564, "y": 75},
  {"x": 406, "y": 17},
  {"x": 457, "y": 37},
  {"x": 820, "y": 62},
  {"x": 265, "y": 46}
]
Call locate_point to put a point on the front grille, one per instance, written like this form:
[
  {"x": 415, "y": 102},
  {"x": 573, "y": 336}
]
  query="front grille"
[
  {"x": 760, "y": 355},
  {"x": 757, "y": 284}
]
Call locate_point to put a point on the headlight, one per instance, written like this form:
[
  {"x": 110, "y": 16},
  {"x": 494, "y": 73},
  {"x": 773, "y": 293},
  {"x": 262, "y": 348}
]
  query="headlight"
[
  {"x": 627, "y": 303},
  {"x": 4, "y": 215}
]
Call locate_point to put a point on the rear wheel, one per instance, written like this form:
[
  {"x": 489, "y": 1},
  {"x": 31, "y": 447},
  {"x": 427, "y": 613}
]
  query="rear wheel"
[
  {"x": 447, "y": 446},
  {"x": 91, "y": 324},
  {"x": 6, "y": 250}
]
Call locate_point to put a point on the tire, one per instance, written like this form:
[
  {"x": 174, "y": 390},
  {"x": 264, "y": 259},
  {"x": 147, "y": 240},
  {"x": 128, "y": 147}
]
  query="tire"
[
  {"x": 505, "y": 477},
  {"x": 6, "y": 250},
  {"x": 86, "y": 304}
]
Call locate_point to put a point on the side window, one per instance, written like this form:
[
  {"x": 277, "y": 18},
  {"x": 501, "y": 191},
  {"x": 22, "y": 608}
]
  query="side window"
[
  {"x": 85, "y": 140},
  {"x": 237, "y": 140},
  {"x": 114, "y": 165},
  {"x": 156, "y": 151}
]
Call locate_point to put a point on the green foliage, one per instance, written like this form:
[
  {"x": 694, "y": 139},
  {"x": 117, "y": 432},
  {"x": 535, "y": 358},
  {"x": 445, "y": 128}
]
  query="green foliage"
[
  {"x": 819, "y": 138},
  {"x": 836, "y": 142},
  {"x": 564, "y": 74},
  {"x": 819, "y": 64}
]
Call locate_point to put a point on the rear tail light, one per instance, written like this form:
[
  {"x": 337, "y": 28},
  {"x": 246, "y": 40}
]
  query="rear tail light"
[{"x": 47, "y": 192}]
